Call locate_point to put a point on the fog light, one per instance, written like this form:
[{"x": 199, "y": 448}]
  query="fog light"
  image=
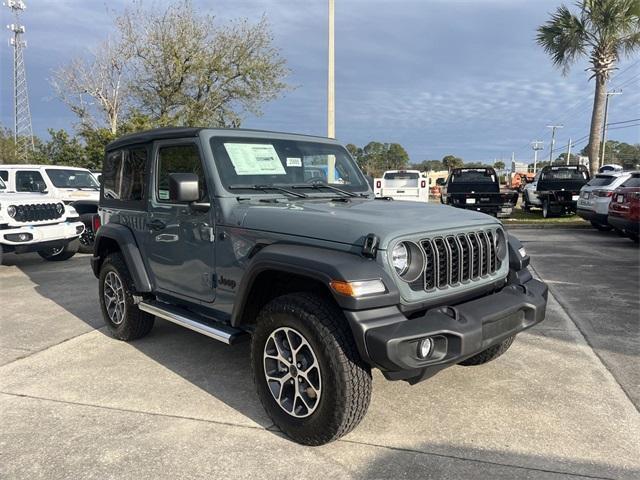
[
  {"x": 425, "y": 348},
  {"x": 19, "y": 237}
]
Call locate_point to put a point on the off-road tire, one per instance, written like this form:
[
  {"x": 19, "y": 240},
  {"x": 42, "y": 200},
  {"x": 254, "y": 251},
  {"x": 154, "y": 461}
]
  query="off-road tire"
[
  {"x": 87, "y": 238},
  {"x": 489, "y": 354},
  {"x": 526, "y": 206},
  {"x": 346, "y": 379},
  {"x": 1, "y": 254},
  {"x": 69, "y": 250},
  {"x": 136, "y": 323}
]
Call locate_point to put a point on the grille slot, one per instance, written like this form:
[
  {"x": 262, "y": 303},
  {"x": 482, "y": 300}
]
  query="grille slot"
[
  {"x": 36, "y": 212},
  {"x": 455, "y": 259}
]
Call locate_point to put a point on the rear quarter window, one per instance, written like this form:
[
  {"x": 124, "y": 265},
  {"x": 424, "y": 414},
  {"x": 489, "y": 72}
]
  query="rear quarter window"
[
  {"x": 124, "y": 176},
  {"x": 633, "y": 182}
]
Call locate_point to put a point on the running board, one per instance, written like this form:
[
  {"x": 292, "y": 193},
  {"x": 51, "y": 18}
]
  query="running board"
[{"x": 218, "y": 331}]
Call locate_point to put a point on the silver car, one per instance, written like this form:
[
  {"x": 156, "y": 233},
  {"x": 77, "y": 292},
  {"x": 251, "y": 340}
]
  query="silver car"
[{"x": 595, "y": 196}]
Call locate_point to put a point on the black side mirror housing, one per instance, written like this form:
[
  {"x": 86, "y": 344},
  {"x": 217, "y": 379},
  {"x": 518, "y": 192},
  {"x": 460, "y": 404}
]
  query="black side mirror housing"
[
  {"x": 183, "y": 187},
  {"x": 440, "y": 181}
]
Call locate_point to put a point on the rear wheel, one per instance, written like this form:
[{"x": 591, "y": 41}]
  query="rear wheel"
[
  {"x": 60, "y": 253},
  {"x": 546, "y": 208},
  {"x": 526, "y": 205},
  {"x": 308, "y": 373},
  {"x": 121, "y": 314}
]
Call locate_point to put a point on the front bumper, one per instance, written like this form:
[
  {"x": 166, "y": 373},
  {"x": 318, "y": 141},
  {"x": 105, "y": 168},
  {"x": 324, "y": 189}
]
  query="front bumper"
[
  {"x": 41, "y": 233},
  {"x": 389, "y": 340}
]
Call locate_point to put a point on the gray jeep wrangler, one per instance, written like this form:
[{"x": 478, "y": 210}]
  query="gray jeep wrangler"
[{"x": 278, "y": 238}]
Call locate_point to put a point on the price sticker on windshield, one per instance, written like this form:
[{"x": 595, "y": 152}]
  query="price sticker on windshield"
[{"x": 254, "y": 159}]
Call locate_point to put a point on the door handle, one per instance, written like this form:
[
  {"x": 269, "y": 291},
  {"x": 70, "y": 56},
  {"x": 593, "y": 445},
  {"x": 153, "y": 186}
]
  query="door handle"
[{"x": 156, "y": 224}]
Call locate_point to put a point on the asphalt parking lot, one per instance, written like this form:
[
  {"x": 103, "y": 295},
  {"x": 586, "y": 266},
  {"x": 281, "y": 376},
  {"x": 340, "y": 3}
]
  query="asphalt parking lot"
[{"x": 562, "y": 403}]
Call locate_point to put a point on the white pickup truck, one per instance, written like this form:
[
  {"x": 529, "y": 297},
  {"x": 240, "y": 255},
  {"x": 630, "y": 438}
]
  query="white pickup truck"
[
  {"x": 409, "y": 185},
  {"x": 32, "y": 222}
]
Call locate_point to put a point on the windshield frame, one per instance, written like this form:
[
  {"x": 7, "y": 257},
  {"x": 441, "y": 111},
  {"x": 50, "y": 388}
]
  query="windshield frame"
[
  {"x": 51, "y": 172},
  {"x": 214, "y": 141}
]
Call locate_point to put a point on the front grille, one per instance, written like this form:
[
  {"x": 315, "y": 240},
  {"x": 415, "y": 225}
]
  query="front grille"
[
  {"x": 36, "y": 212},
  {"x": 455, "y": 259}
]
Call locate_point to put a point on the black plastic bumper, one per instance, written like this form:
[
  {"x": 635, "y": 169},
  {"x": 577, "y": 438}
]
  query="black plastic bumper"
[
  {"x": 624, "y": 224},
  {"x": 389, "y": 340}
]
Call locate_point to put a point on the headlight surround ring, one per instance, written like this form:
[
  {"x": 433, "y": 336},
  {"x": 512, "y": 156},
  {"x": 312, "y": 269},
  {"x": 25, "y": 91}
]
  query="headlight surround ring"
[
  {"x": 415, "y": 261},
  {"x": 11, "y": 211},
  {"x": 60, "y": 208},
  {"x": 501, "y": 245}
]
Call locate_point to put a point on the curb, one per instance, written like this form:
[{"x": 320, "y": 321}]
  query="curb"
[{"x": 546, "y": 226}]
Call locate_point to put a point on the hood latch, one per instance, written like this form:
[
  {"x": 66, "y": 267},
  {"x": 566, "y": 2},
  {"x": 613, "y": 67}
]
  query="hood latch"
[{"x": 370, "y": 247}]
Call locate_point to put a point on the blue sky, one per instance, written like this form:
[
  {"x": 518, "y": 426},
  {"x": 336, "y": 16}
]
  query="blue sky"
[{"x": 440, "y": 77}]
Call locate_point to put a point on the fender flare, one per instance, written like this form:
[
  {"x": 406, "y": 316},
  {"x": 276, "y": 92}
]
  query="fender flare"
[
  {"x": 126, "y": 241},
  {"x": 319, "y": 264}
]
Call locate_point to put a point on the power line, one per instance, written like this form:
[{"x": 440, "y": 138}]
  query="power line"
[{"x": 624, "y": 121}]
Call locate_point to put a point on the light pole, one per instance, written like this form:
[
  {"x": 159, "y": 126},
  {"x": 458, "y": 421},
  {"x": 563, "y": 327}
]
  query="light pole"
[
  {"x": 553, "y": 140},
  {"x": 536, "y": 145},
  {"x": 331, "y": 86},
  {"x": 568, "y": 151},
  {"x": 604, "y": 125}
]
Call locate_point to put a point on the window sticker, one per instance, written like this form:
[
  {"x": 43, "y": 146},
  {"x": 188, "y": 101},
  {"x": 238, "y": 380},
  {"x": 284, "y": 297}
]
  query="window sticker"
[
  {"x": 294, "y": 162},
  {"x": 254, "y": 159}
]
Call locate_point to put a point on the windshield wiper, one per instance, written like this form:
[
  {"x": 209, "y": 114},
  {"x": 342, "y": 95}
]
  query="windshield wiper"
[
  {"x": 319, "y": 185},
  {"x": 266, "y": 187}
]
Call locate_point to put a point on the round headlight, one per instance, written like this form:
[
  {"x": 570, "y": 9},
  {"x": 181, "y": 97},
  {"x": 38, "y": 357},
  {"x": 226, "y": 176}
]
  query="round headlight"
[
  {"x": 11, "y": 210},
  {"x": 501, "y": 245},
  {"x": 400, "y": 258},
  {"x": 408, "y": 260},
  {"x": 60, "y": 208}
]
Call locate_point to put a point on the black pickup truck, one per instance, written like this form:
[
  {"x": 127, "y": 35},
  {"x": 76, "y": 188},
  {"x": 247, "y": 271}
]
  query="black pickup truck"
[
  {"x": 478, "y": 189},
  {"x": 556, "y": 189}
]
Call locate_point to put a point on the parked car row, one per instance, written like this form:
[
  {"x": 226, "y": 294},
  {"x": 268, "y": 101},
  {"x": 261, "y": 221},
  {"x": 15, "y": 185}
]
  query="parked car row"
[{"x": 611, "y": 200}]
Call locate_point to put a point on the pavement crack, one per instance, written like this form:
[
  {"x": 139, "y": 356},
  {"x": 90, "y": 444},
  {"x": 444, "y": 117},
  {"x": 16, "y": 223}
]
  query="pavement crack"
[
  {"x": 466, "y": 459},
  {"x": 128, "y": 410},
  {"x": 567, "y": 311}
]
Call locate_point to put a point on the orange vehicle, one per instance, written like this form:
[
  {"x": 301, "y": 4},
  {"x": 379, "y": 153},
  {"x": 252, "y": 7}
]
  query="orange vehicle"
[{"x": 520, "y": 179}]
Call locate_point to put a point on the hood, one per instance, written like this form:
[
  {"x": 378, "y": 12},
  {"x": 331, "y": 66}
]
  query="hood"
[{"x": 350, "y": 222}]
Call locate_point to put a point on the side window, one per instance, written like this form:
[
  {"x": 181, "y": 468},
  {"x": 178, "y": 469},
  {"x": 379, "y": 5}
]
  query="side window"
[
  {"x": 123, "y": 175},
  {"x": 29, "y": 181},
  {"x": 4, "y": 175},
  {"x": 178, "y": 159}
]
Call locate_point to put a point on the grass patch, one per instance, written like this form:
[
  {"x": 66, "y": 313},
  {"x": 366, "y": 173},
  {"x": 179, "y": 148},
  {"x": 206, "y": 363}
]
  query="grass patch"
[{"x": 535, "y": 217}]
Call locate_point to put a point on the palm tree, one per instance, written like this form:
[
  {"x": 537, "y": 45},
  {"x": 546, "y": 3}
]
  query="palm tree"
[{"x": 603, "y": 31}]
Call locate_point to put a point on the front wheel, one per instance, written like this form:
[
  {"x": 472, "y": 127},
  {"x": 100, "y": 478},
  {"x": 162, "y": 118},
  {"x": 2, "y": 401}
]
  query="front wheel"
[
  {"x": 546, "y": 208},
  {"x": 60, "y": 253},
  {"x": 308, "y": 373}
]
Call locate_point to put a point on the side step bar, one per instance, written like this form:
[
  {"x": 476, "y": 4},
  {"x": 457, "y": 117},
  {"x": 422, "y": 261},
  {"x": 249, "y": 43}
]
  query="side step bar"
[{"x": 218, "y": 331}]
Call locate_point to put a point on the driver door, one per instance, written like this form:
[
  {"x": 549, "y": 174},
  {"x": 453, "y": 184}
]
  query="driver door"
[{"x": 180, "y": 239}]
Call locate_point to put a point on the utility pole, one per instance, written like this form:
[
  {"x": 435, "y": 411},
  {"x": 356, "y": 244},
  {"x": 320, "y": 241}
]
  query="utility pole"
[
  {"x": 22, "y": 129},
  {"x": 331, "y": 87},
  {"x": 604, "y": 125},
  {"x": 568, "y": 151},
  {"x": 536, "y": 145},
  {"x": 553, "y": 140}
]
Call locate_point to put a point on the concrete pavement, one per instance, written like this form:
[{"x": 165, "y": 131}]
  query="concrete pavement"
[{"x": 75, "y": 403}]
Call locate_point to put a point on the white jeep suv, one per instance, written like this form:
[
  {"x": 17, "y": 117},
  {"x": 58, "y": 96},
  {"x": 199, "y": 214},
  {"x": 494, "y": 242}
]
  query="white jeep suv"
[
  {"x": 36, "y": 223},
  {"x": 595, "y": 196}
]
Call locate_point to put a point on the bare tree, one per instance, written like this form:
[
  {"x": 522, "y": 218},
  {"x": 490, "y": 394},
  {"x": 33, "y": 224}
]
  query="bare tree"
[
  {"x": 96, "y": 89},
  {"x": 189, "y": 71}
]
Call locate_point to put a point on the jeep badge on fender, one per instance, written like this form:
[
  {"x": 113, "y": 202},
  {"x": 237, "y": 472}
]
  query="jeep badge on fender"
[{"x": 325, "y": 280}]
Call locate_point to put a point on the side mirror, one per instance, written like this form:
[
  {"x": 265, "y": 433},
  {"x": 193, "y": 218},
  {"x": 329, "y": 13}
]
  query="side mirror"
[
  {"x": 183, "y": 187},
  {"x": 440, "y": 181}
]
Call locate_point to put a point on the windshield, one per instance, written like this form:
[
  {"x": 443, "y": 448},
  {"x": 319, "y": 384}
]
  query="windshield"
[
  {"x": 473, "y": 176},
  {"x": 72, "y": 178},
  {"x": 564, "y": 174},
  {"x": 255, "y": 162},
  {"x": 601, "y": 180},
  {"x": 3, "y": 186}
]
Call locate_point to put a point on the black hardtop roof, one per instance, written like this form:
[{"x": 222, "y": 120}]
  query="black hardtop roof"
[
  {"x": 167, "y": 133},
  {"x": 472, "y": 169},
  {"x": 564, "y": 167}
]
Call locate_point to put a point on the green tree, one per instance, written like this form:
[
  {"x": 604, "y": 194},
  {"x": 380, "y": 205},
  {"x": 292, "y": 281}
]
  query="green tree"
[
  {"x": 621, "y": 153},
  {"x": 602, "y": 31},
  {"x": 451, "y": 161},
  {"x": 499, "y": 165},
  {"x": 7, "y": 147},
  {"x": 430, "y": 165},
  {"x": 61, "y": 149}
]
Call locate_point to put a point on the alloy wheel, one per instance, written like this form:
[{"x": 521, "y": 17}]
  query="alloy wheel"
[
  {"x": 114, "y": 298},
  {"x": 292, "y": 372}
]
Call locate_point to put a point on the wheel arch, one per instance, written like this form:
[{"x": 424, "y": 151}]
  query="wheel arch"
[
  {"x": 280, "y": 269},
  {"x": 118, "y": 238}
]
